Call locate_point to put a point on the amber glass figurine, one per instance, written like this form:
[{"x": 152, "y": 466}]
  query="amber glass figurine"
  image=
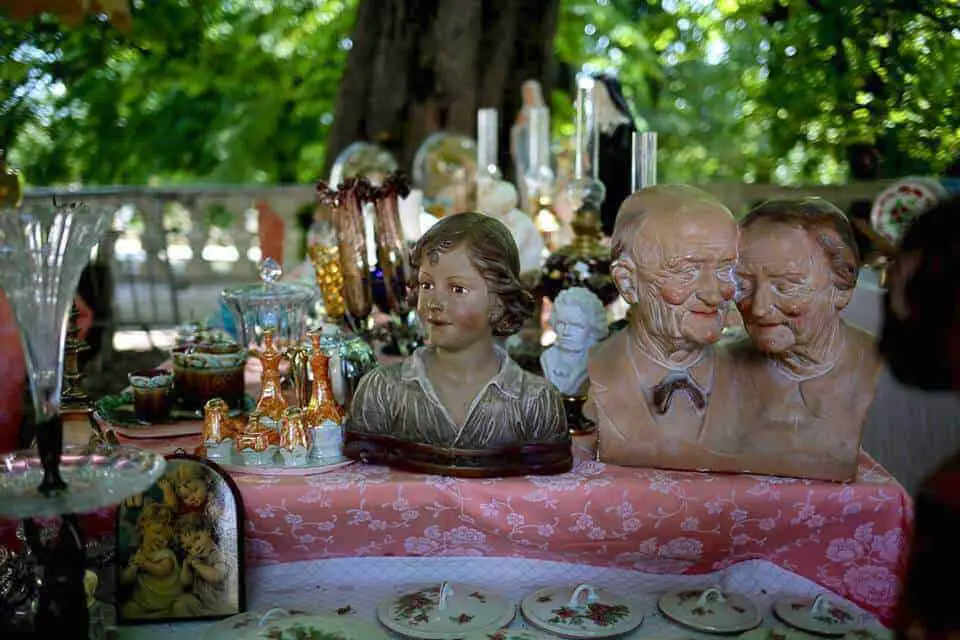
[
  {"x": 322, "y": 405},
  {"x": 271, "y": 403},
  {"x": 293, "y": 434},
  {"x": 256, "y": 441},
  {"x": 294, "y": 443},
  {"x": 214, "y": 417}
]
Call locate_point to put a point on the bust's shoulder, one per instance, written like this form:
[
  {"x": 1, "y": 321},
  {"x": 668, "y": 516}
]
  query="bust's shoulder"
[
  {"x": 614, "y": 346},
  {"x": 384, "y": 375},
  {"x": 531, "y": 383},
  {"x": 861, "y": 350}
]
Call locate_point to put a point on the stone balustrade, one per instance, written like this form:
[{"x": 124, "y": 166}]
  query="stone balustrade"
[{"x": 171, "y": 249}]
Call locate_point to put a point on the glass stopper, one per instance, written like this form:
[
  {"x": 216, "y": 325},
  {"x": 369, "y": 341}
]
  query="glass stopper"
[{"x": 270, "y": 270}]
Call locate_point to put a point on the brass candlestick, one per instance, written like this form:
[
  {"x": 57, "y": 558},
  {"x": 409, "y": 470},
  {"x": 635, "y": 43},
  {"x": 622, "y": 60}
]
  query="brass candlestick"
[{"x": 73, "y": 398}]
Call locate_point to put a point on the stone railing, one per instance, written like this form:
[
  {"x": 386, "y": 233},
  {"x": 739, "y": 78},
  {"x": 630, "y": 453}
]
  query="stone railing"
[{"x": 171, "y": 249}]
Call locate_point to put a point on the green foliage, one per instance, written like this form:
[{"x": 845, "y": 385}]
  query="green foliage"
[
  {"x": 213, "y": 90},
  {"x": 243, "y": 91},
  {"x": 778, "y": 90}
]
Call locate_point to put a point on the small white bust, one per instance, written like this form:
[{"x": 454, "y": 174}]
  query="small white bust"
[
  {"x": 498, "y": 199},
  {"x": 580, "y": 321}
]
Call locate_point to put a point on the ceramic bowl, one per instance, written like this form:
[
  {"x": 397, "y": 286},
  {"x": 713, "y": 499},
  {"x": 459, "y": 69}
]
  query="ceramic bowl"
[
  {"x": 151, "y": 379},
  {"x": 212, "y": 370}
]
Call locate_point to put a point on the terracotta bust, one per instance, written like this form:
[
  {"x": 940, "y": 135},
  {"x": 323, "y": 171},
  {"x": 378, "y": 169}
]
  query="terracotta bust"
[
  {"x": 580, "y": 321},
  {"x": 460, "y": 405},
  {"x": 806, "y": 378},
  {"x": 674, "y": 252}
]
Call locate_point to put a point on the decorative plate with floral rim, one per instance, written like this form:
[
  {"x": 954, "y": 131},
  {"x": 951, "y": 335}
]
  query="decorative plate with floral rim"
[
  {"x": 509, "y": 634},
  {"x": 582, "y": 611},
  {"x": 278, "y": 624},
  {"x": 817, "y": 615},
  {"x": 903, "y": 201},
  {"x": 710, "y": 610},
  {"x": 447, "y": 611}
]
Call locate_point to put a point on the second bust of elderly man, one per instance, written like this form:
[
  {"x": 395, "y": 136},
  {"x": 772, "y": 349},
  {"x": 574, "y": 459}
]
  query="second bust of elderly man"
[
  {"x": 806, "y": 382},
  {"x": 674, "y": 251}
]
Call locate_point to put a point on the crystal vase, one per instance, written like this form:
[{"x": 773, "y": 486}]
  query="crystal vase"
[{"x": 43, "y": 249}]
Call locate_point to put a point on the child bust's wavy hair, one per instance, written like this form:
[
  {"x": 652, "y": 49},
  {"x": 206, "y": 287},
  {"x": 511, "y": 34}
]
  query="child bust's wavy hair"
[{"x": 493, "y": 253}]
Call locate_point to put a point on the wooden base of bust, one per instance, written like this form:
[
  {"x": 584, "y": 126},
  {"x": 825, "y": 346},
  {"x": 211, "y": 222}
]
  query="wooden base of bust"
[{"x": 532, "y": 459}]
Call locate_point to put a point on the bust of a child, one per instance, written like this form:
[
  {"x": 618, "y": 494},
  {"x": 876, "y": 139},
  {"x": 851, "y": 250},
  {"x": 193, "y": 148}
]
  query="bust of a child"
[{"x": 459, "y": 405}]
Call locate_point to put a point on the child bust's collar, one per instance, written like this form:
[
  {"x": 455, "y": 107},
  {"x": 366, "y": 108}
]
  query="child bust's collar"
[{"x": 507, "y": 379}]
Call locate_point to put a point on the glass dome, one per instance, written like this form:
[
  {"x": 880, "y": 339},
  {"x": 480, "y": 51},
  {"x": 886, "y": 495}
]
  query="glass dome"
[
  {"x": 445, "y": 169},
  {"x": 362, "y": 159}
]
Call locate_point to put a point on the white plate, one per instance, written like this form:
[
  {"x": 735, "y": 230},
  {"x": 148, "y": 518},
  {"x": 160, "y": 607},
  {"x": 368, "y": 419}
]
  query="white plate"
[
  {"x": 445, "y": 611},
  {"x": 816, "y": 615},
  {"x": 710, "y": 610},
  {"x": 903, "y": 201},
  {"x": 279, "y": 624},
  {"x": 581, "y": 611}
]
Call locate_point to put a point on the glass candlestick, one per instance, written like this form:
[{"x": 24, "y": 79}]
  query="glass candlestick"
[
  {"x": 488, "y": 132},
  {"x": 586, "y": 191},
  {"x": 73, "y": 398},
  {"x": 643, "y": 160},
  {"x": 539, "y": 177}
]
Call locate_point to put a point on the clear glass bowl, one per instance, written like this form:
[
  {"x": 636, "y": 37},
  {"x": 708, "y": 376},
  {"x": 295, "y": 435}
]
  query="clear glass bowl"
[
  {"x": 280, "y": 306},
  {"x": 97, "y": 478}
]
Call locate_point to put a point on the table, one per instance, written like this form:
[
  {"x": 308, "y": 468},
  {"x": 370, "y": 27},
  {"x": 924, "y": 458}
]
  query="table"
[
  {"x": 324, "y": 586},
  {"x": 849, "y": 538}
]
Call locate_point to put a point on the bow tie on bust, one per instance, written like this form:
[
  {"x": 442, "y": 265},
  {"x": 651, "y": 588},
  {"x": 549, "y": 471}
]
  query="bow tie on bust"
[{"x": 677, "y": 381}]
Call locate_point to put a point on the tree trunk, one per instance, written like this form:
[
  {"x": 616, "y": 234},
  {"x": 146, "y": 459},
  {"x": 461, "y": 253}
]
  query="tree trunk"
[{"x": 421, "y": 66}]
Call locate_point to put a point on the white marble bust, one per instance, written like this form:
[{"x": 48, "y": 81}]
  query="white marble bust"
[
  {"x": 498, "y": 199},
  {"x": 580, "y": 321}
]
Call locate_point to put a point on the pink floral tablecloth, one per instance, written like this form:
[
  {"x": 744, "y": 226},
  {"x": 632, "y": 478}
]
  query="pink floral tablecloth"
[{"x": 850, "y": 538}]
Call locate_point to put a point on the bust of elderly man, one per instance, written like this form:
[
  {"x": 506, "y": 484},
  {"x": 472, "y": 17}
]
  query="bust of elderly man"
[
  {"x": 674, "y": 253},
  {"x": 806, "y": 379},
  {"x": 580, "y": 321}
]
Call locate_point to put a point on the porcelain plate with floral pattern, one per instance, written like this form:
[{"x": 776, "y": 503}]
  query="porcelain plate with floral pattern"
[
  {"x": 710, "y": 610},
  {"x": 509, "y": 634},
  {"x": 581, "y": 611},
  {"x": 816, "y": 615},
  {"x": 278, "y": 624},
  {"x": 447, "y": 611}
]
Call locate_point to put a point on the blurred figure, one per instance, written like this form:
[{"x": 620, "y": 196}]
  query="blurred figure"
[
  {"x": 616, "y": 123},
  {"x": 921, "y": 343}
]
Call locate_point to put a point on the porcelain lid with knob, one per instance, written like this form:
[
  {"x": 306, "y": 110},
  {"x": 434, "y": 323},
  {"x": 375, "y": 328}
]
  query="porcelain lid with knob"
[
  {"x": 583, "y": 611},
  {"x": 710, "y": 610},
  {"x": 446, "y": 611},
  {"x": 817, "y": 615},
  {"x": 280, "y": 624}
]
